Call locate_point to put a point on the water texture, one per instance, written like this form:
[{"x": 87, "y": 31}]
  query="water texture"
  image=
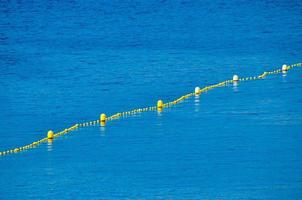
[{"x": 64, "y": 62}]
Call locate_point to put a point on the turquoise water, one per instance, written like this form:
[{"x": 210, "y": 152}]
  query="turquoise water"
[{"x": 66, "y": 62}]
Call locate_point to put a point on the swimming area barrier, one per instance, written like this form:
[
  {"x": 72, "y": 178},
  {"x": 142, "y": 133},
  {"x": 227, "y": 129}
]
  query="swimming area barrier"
[{"x": 103, "y": 119}]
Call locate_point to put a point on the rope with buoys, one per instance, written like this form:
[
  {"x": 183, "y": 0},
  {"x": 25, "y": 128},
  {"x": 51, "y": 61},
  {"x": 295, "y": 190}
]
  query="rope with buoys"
[{"x": 160, "y": 106}]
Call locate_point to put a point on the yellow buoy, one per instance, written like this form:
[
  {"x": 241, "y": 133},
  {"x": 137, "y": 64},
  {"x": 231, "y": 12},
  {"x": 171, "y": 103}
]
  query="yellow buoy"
[
  {"x": 197, "y": 90},
  {"x": 160, "y": 104},
  {"x": 103, "y": 117},
  {"x": 50, "y": 134},
  {"x": 103, "y": 123},
  {"x": 284, "y": 68},
  {"x": 235, "y": 78}
]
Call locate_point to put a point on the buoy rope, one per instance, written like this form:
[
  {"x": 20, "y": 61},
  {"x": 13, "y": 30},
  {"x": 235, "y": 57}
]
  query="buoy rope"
[{"x": 160, "y": 106}]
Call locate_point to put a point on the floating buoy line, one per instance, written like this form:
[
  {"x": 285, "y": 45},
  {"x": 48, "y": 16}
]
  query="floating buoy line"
[{"x": 103, "y": 119}]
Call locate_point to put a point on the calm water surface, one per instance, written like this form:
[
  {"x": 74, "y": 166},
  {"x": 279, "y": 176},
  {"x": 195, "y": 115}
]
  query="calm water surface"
[{"x": 64, "y": 62}]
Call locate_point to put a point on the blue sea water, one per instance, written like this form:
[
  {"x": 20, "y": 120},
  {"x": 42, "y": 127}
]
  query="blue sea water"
[{"x": 65, "y": 62}]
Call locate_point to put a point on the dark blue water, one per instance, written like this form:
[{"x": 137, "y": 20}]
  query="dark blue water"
[{"x": 64, "y": 62}]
